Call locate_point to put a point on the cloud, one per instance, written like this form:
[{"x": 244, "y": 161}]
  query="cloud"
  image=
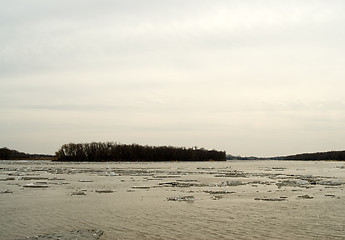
[
  {"x": 41, "y": 36},
  {"x": 179, "y": 72}
]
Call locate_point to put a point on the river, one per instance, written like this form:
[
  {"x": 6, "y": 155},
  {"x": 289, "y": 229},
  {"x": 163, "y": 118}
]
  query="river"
[{"x": 172, "y": 200}]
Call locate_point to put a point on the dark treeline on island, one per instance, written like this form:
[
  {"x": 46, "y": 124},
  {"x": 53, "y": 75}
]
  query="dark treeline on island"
[
  {"x": 8, "y": 154},
  {"x": 109, "y": 151}
]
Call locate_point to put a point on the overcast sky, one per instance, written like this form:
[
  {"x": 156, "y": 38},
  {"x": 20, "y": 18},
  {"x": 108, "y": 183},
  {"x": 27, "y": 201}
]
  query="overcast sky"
[{"x": 262, "y": 78}]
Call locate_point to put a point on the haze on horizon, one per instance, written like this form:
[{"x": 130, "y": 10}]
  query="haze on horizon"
[{"x": 261, "y": 78}]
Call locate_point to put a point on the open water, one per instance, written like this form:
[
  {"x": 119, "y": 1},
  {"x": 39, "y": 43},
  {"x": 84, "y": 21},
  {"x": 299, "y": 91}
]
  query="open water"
[{"x": 172, "y": 200}]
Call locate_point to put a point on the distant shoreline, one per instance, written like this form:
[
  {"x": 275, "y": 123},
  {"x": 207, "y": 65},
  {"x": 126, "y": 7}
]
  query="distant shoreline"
[
  {"x": 134, "y": 153},
  {"x": 31, "y": 159},
  {"x": 54, "y": 159}
]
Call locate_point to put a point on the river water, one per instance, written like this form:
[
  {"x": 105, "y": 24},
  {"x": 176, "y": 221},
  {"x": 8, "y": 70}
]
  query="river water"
[{"x": 172, "y": 200}]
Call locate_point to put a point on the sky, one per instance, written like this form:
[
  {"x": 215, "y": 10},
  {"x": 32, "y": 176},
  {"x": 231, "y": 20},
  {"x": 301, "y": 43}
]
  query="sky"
[{"x": 252, "y": 78}]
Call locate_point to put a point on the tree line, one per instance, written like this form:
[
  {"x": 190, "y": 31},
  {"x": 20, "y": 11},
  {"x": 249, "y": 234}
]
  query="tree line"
[
  {"x": 332, "y": 155},
  {"x": 109, "y": 151},
  {"x": 9, "y": 154}
]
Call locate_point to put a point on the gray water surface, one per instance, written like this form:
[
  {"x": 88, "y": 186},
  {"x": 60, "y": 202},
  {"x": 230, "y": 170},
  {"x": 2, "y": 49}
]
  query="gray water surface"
[{"x": 172, "y": 200}]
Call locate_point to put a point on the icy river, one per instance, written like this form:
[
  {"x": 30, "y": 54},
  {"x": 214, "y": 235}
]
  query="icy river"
[{"x": 172, "y": 200}]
